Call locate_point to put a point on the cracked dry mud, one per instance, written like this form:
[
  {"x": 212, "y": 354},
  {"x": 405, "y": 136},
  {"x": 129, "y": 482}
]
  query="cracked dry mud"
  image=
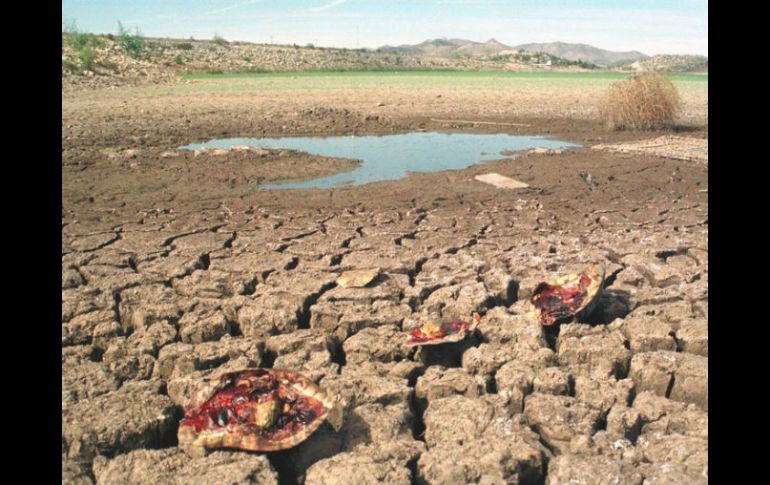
[{"x": 175, "y": 269}]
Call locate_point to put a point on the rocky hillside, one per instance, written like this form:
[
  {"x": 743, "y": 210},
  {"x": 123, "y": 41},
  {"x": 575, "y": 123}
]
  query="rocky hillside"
[
  {"x": 450, "y": 48},
  {"x": 672, "y": 64},
  {"x": 90, "y": 60},
  {"x": 96, "y": 60}
]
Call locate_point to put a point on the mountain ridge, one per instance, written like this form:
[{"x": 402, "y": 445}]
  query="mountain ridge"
[
  {"x": 564, "y": 50},
  {"x": 585, "y": 52}
]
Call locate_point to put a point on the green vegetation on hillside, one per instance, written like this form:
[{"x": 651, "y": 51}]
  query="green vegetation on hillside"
[
  {"x": 84, "y": 45},
  {"x": 219, "y": 40},
  {"x": 542, "y": 59},
  {"x": 133, "y": 44}
]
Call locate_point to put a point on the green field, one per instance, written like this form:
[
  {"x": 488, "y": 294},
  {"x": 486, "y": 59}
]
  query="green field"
[
  {"x": 414, "y": 81},
  {"x": 439, "y": 74}
]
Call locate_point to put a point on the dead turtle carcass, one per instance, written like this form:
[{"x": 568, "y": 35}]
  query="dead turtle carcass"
[
  {"x": 432, "y": 333},
  {"x": 569, "y": 296},
  {"x": 255, "y": 410}
]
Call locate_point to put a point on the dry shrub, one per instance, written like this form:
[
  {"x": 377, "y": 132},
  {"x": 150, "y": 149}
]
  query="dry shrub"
[{"x": 644, "y": 102}]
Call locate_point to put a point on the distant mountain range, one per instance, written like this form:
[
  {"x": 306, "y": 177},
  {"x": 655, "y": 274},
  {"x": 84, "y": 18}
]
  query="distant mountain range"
[
  {"x": 572, "y": 52},
  {"x": 584, "y": 52}
]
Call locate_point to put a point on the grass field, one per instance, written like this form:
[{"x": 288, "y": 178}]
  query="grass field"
[
  {"x": 560, "y": 94},
  {"x": 441, "y": 74},
  {"x": 415, "y": 81}
]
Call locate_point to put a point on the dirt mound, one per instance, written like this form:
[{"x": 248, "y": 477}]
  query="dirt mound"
[{"x": 108, "y": 65}]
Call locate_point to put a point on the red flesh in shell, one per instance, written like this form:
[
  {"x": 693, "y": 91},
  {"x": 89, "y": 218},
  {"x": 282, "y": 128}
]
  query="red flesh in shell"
[
  {"x": 255, "y": 403},
  {"x": 556, "y": 302},
  {"x": 448, "y": 329}
]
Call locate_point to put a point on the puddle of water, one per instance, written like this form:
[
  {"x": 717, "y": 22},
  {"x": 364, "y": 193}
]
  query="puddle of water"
[{"x": 390, "y": 157}]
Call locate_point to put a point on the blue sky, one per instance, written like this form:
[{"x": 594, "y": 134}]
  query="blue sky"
[{"x": 649, "y": 26}]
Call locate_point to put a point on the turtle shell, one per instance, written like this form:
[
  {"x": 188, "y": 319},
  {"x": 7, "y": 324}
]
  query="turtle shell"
[
  {"x": 569, "y": 296},
  {"x": 256, "y": 410},
  {"x": 431, "y": 333}
]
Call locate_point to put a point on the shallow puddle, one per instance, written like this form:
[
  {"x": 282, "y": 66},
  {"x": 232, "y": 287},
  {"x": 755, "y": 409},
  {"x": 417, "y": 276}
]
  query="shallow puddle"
[{"x": 390, "y": 157}]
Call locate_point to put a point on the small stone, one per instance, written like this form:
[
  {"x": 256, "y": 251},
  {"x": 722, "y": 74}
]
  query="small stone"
[{"x": 357, "y": 278}]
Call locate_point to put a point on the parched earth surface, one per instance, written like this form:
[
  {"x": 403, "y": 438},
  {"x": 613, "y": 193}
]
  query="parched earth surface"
[{"x": 174, "y": 268}]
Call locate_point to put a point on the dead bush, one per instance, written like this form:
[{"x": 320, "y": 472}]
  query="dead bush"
[{"x": 644, "y": 102}]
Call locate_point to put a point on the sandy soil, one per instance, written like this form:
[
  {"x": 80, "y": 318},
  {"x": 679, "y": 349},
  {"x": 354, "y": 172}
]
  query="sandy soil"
[{"x": 174, "y": 268}]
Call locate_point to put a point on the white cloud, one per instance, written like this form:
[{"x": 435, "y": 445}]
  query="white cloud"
[
  {"x": 329, "y": 5},
  {"x": 225, "y": 9}
]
